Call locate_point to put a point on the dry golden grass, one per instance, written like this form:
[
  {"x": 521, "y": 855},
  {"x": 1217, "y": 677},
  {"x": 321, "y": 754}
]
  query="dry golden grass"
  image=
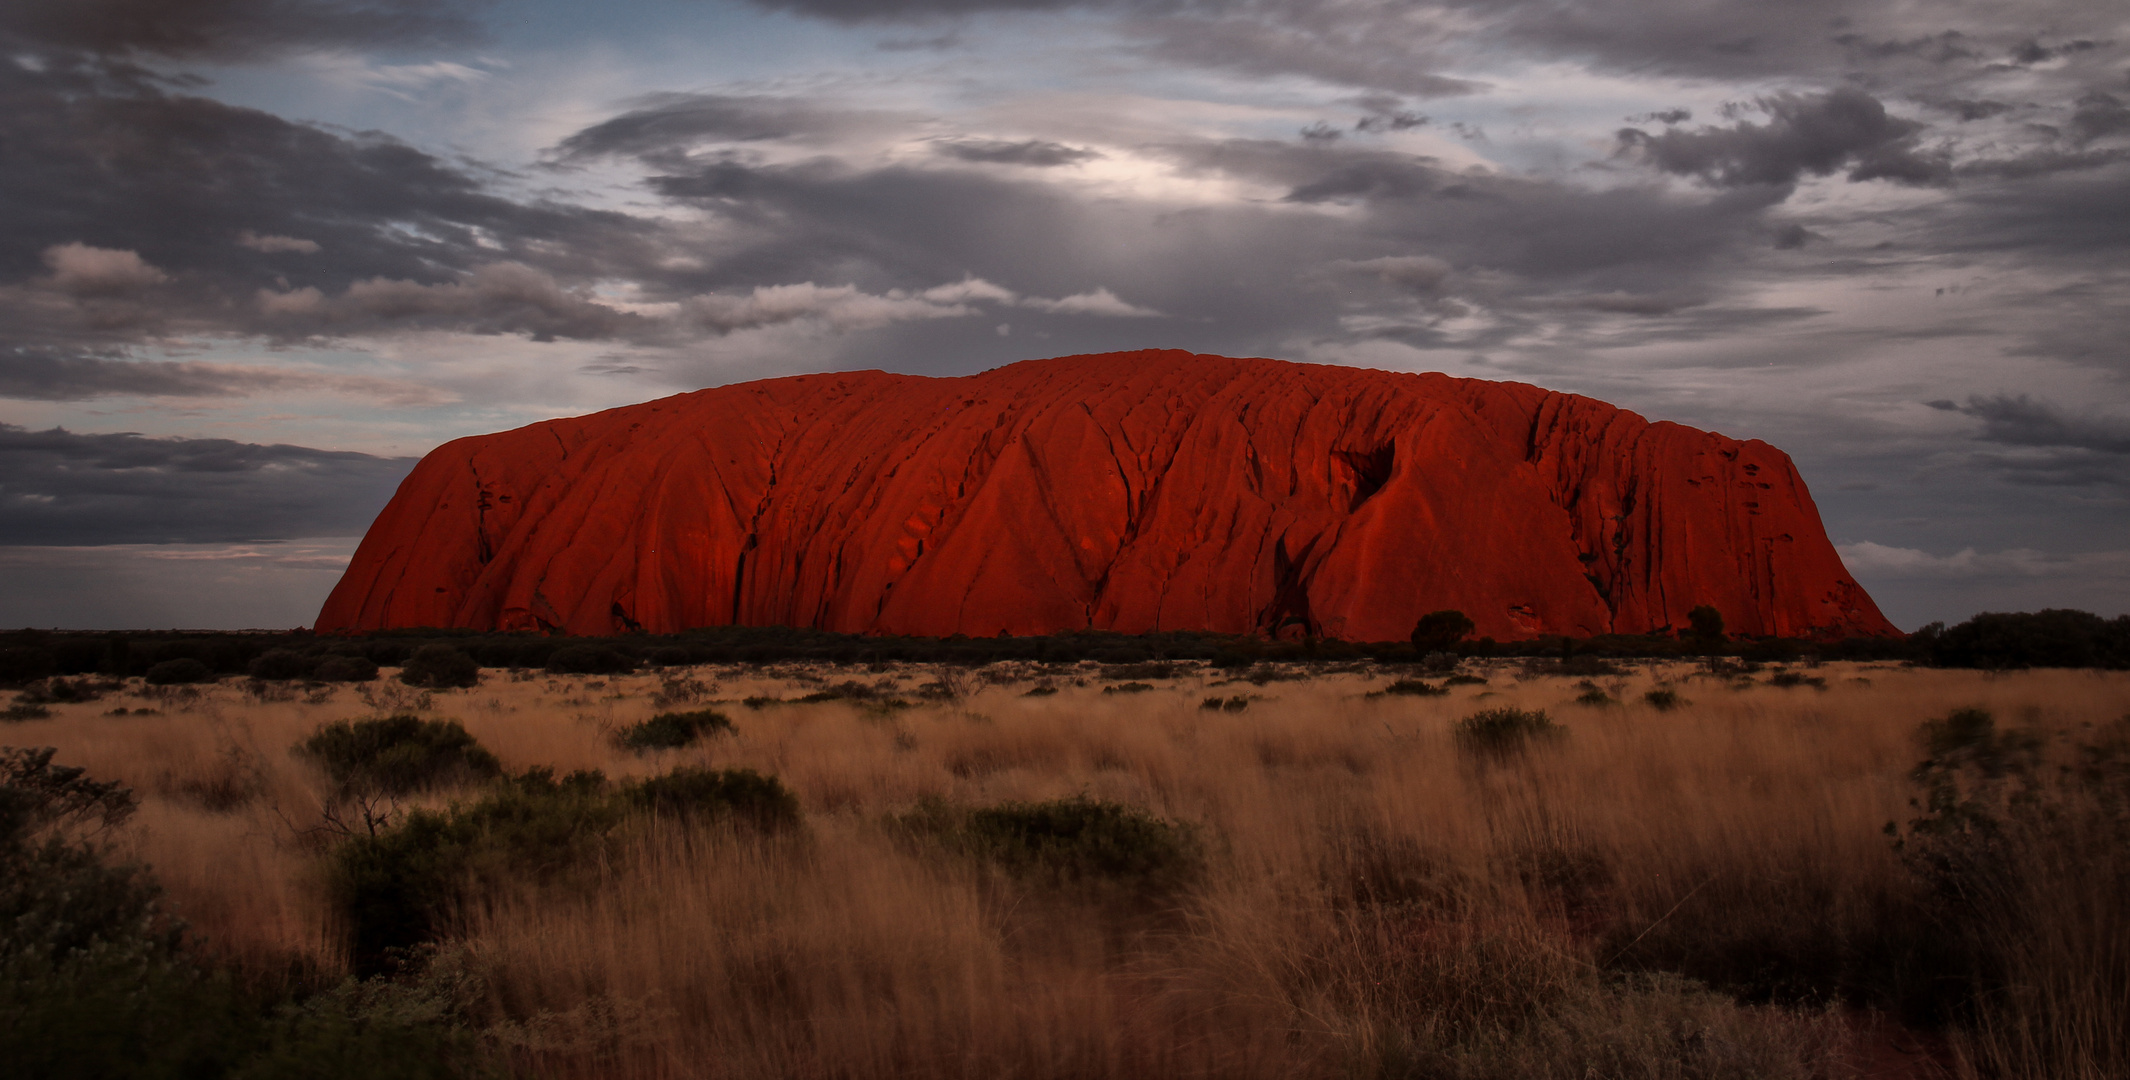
[{"x": 1378, "y": 904}]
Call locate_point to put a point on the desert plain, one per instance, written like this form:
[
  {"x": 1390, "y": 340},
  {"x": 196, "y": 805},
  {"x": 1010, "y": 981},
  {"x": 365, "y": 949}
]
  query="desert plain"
[{"x": 1687, "y": 870}]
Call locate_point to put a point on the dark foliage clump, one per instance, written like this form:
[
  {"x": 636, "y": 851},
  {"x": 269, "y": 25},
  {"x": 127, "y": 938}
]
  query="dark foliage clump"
[
  {"x": 180, "y": 672},
  {"x": 394, "y": 755},
  {"x": 1705, "y": 627},
  {"x": 742, "y": 796},
  {"x": 1228, "y": 704},
  {"x": 63, "y": 691},
  {"x": 2024, "y": 841},
  {"x": 1441, "y": 631},
  {"x": 1664, "y": 699},
  {"x": 1790, "y": 679},
  {"x": 440, "y": 667},
  {"x": 1413, "y": 688},
  {"x": 1072, "y": 841},
  {"x": 1145, "y": 670},
  {"x": 279, "y": 665},
  {"x": 673, "y": 730},
  {"x": 1464, "y": 680},
  {"x": 404, "y": 884},
  {"x": 96, "y": 980},
  {"x": 589, "y": 659},
  {"x": 1505, "y": 732},
  {"x": 2056, "y": 637},
  {"x": 1128, "y": 688},
  {"x": 345, "y": 669}
]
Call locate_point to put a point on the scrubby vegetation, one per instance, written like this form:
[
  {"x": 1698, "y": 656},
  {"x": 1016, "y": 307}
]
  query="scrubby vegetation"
[
  {"x": 397, "y": 754},
  {"x": 673, "y": 730},
  {"x": 1995, "y": 641},
  {"x": 1322, "y": 883},
  {"x": 99, "y": 979}
]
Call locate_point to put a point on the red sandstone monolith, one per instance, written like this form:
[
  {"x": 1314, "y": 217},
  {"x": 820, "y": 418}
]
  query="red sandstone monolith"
[{"x": 1139, "y": 491}]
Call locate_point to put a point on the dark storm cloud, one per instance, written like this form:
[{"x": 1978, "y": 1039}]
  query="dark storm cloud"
[
  {"x": 2022, "y": 421},
  {"x": 49, "y": 375},
  {"x": 2099, "y": 115},
  {"x": 1033, "y": 152},
  {"x": 1806, "y": 134},
  {"x": 671, "y": 123},
  {"x": 1519, "y": 254},
  {"x": 200, "y": 217},
  {"x": 58, "y": 487},
  {"x": 232, "y": 29}
]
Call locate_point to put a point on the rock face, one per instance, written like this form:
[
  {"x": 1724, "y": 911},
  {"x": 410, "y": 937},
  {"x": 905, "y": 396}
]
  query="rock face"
[{"x": 1128, "y": 491}]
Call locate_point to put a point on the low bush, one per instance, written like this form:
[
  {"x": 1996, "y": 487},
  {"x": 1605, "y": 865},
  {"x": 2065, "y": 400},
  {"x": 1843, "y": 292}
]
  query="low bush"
[
  {"x": 398, "y": 754},
  {"x": 345, "y": 669},
  {"x": 1464, "y": 680},
  {"x": 280, "y": 665},
  {"x": 1128, "y": 688},
  {"x": 404, "y": 885},
  {"x": 1593, "y": 695},
  {"x": 1041, "y": 690},
  {"x": 673, "y": 730},
  {"x": 2024, "y": 841},
  {"x": 440, "y": 667},
  {"x": 62, "y": 691},
  {"x": 97, "y": 980},
  {"x": 1664, "y": 699},
  {"x": 1505, "y": 732},
  {"x": 587, "y": 659},
  {"x": 1075, "y": 840},
  {"x": 742, "y": 796},
  {"x": 1226, "y": 704},
  {"x": 19, "y": 711},
  {"x": 1413, "y": 688},
  {"x": 1788, "y": 679},
  {"x": 1152, "y": 669},
  {"x": 183, "y": 671}
]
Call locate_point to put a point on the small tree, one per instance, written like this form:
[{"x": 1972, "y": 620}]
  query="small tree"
[
  {"x": 1705, "y": 626},
  {"x": 1440, "y": 631}
]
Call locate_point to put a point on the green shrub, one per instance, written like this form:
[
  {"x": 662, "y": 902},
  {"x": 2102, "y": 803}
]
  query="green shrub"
[
  {"x": 1413, "y": 688},
  {"x": 587, "y": 659},
  {"x": 1664, "y": 699},
  {"x": 183, "y": 671},
  {"x": 403, "y": 885},
  {"x": 1593, "y": 695},
  {"x": 672, "y": 730},
  {"x": 742, "y": 796},
  {"x": 1065, "y": 841},
  {"x": 345, "y": 669},
  {"x": 1505, "y": 732},
  {"x": 96, "y": 980},
  {"x": 1788, "y": 679},
  {"x": 1464, "y": 680},
  {"x": 1228, "y": 704},
  {"x": 1041, "y": 690},
  {"x": 1128, "y": 688},
  {"x": 398, "y": 754},
  {"x": 2025, "y": 843},
  {"x": 19, "y": 711},
  {"x": 440, "y": 667},
  {"x": 280, "y": 665}
]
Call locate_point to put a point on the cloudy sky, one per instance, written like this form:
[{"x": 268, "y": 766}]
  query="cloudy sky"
[{"x": 258, "y": 255}]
